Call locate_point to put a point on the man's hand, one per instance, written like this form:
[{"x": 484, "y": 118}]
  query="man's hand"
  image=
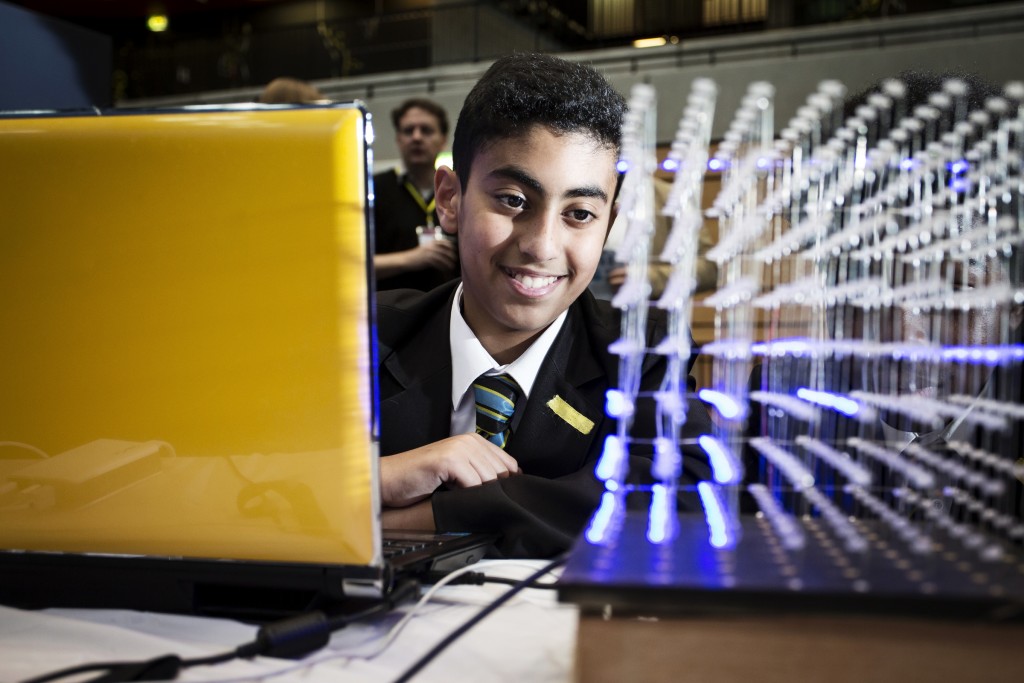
[
  {"x": 438, "y": 254},
  {"x": 617, "y": 276},
  {"x": 462, "y": 461}
]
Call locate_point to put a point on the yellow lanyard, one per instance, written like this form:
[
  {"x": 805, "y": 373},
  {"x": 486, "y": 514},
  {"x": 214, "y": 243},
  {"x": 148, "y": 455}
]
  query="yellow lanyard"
[{"x": 428, "y": 209}]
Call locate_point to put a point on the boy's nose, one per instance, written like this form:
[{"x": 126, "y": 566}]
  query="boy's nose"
[{"x": 540, "y": 240}]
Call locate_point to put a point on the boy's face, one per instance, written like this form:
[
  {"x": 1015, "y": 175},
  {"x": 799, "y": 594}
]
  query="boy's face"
[{"x": 531, "y": 224}]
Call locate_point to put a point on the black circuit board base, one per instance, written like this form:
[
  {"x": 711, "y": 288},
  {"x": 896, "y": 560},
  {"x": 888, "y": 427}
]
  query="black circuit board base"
[{"x": 628, "y": 573}]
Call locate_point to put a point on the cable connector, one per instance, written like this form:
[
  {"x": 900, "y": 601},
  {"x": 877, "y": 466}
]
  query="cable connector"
[
  {"x": 289, "y": 638},
  {"x": 403, "y": 591}
]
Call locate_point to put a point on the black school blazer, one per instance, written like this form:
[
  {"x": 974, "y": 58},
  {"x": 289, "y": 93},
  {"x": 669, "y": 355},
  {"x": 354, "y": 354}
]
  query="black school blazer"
[{"x": 540, "y": 512}]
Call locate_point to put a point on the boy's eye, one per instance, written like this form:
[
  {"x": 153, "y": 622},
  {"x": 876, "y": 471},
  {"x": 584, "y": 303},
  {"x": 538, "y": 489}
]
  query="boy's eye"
[
  {"x": 513, "y": 201},
  {"x": 581, "y": 215}
]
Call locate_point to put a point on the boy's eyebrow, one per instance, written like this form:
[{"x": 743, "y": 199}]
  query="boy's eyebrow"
[{"x": 521, "y": 176}]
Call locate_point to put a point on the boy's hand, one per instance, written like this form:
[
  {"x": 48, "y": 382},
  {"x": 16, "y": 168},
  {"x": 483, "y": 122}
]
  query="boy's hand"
[
  {"x": 462, "y": 461},
  {"x": 419, "y": 517}
]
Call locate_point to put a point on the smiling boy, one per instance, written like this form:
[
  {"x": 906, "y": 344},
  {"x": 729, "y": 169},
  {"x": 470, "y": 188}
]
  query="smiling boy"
[{"x": 531, "y": 199}]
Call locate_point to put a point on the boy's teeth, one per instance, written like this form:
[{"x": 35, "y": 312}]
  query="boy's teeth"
[{"x": 535, "y": 282}]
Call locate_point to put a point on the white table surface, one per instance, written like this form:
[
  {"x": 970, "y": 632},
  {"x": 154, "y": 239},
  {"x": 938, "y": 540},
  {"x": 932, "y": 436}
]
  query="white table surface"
[{"x": 531, "y": 638}]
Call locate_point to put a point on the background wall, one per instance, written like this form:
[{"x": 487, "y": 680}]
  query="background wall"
[{"x": 984, "y": 41}]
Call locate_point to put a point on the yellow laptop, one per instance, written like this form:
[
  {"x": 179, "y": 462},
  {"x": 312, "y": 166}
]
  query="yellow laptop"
[{"x": 187, "y": 393}]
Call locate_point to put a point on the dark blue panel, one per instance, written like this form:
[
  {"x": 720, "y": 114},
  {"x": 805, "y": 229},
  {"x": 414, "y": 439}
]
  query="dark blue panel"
[{"x": 49, "y": 64}]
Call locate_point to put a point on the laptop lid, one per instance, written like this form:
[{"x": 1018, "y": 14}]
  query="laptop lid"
[{"x": 186, "y": 368}]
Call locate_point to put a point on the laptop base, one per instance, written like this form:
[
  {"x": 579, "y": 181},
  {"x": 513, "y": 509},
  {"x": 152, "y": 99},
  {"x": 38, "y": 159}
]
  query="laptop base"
[{"x": 247, "y": 591}]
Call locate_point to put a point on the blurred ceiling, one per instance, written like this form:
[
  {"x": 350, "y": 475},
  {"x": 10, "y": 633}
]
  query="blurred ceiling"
[
  {"x": 132, "y": 8},
  {"x": 226, "y": 44},
  {"x": 213, "y": 45}
]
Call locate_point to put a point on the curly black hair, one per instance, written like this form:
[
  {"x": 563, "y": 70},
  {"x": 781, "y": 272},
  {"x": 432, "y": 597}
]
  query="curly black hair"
[{"x": 520, "y": 91}]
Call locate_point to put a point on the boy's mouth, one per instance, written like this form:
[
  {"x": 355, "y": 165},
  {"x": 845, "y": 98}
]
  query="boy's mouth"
[{"x": 532, "y": 281}]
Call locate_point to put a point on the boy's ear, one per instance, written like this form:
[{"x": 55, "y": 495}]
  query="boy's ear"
[{"x": 447, "y": 197}]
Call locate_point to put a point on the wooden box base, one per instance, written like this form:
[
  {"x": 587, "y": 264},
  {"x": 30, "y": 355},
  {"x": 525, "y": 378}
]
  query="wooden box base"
[{"x": 789, "y": 649}]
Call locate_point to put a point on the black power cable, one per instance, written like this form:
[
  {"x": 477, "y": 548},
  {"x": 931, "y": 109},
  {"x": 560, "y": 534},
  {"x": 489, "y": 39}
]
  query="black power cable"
[
  {"x": 513, "y": 582},
  {"x": 288, "y": 638},
  {"x": 479, "y": 579},
  {"x": 477, "y": 618}
]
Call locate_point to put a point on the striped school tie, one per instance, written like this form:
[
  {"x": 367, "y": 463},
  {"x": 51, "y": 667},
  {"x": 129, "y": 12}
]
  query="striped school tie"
[{"x": 495, "y": 403}]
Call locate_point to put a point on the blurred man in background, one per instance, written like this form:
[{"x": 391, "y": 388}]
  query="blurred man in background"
[{"x": 411, "y": 250}]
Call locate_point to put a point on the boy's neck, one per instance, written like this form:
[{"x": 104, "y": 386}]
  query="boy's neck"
[
  {"x": 506, "y": 351},
  {"x": 504, "y": 347}
]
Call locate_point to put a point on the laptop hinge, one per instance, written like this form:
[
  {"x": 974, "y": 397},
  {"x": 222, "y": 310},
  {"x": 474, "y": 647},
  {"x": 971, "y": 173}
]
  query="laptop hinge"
[{"x": 364, "y": 588}]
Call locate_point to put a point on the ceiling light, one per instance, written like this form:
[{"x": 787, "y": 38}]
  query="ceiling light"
[
  {"x": 157, "y": 23},
  {"x": 650, "y": 42}
]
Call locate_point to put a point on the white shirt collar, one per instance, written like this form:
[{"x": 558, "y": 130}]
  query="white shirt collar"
[{"x": 470, "y": 359}]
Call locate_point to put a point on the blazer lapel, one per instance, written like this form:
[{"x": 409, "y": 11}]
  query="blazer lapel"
[
  {"x": 416, "y": 383},
  {"x": 565, "y": 411}
]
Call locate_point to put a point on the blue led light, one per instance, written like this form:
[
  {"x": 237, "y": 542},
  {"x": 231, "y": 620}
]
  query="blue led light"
[
  {"x": 846, "y": 406},
  {"x": 958, "y": 167},
  {"x": 617, "y": 404},
  {"x": 622, "y": 166},
  {"x": 611, "y": 458},
  {"x": 723, "y": 463},
  {"x": 597, "y": 532},
  {"x": 908, "y": 164},
  {"x": 783, "y": 347},
  {"x": 960, "y": 185},
  {"x": 718, "y": 528},
  {"x": 660, "y": 516},
  {"x": 670, "y": 165},
  {"x": 666, "y": 459},
  {"x": 727, "y": 406},
  {"x": 716, "y": 164},
  {"x": 984, "y": 355}
]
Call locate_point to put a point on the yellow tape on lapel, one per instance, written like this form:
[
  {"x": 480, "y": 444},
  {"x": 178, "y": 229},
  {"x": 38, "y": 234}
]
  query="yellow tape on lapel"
[{"x": 575, "y": 418}]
